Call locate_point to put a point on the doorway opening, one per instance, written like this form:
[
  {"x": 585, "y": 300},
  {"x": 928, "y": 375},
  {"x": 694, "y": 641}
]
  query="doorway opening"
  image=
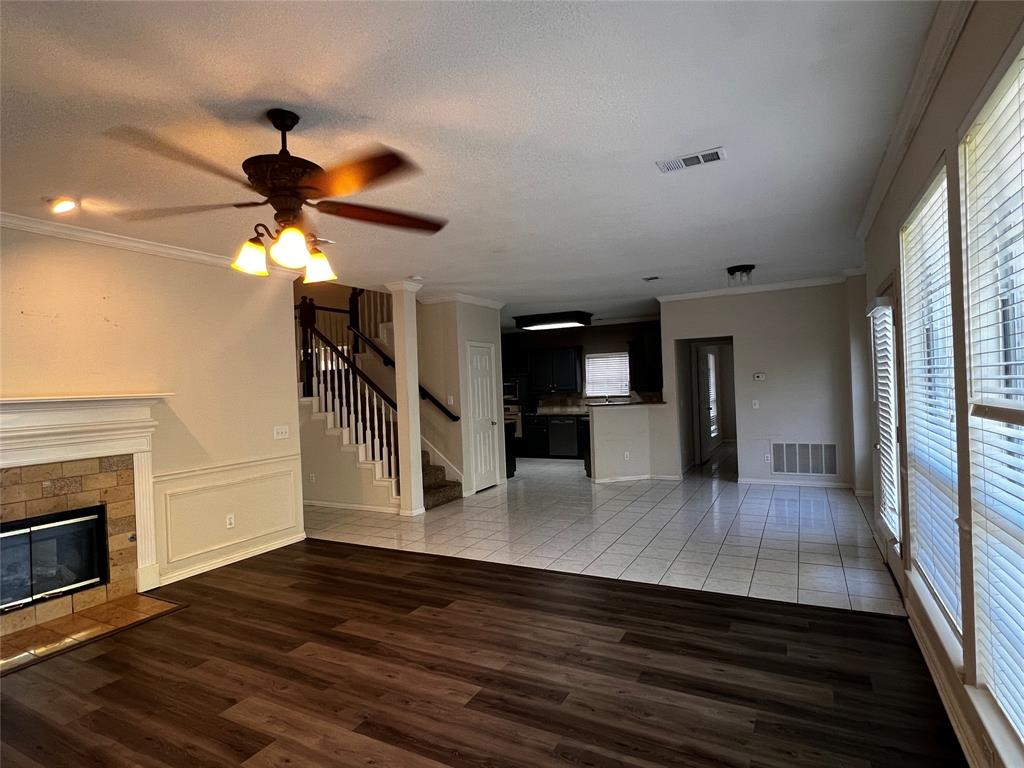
[{"x": 706, "y": 387}]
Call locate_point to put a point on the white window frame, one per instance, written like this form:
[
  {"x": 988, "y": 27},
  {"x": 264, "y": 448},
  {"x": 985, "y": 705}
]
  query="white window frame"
[{"x": 623, "y": 388}]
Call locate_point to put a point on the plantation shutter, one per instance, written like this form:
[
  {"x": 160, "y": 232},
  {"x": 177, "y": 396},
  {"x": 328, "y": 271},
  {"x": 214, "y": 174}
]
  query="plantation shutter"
[
  {"x": 884, "y": 355},
  {"x": 993, "y": 162},
  {"x": 713, "y": 394},
  {"x": 930, "y": 428},
  {"x": 607, "y": 374}
]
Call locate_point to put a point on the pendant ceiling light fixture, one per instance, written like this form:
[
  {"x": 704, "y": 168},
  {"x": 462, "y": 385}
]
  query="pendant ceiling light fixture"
[
  {"x": 552, "y": 320},
  {"x": 290, "y": 249}
]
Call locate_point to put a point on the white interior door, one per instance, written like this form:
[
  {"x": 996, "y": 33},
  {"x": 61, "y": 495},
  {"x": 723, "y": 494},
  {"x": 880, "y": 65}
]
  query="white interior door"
[
  {"x": 484, "y": 414},
  {"x": 707, "y": 401}
]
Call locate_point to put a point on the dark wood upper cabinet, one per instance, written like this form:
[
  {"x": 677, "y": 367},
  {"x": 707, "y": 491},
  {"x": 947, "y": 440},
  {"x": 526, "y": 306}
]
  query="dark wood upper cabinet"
[
  {"x": 556, "y": 370},
  {"x": 645, "y": 374}
]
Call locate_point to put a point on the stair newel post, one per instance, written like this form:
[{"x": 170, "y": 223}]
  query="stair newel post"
[
  {"x": 334, "y": 389},
  {"x": 355, "y": 315},
  {"x": 307, "y": 322}
]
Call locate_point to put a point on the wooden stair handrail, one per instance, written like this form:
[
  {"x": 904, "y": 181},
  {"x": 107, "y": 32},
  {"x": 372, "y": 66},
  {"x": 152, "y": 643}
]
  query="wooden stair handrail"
[
  {"x": 360, "y": 374},
  {"x": 389, "y": 361}
]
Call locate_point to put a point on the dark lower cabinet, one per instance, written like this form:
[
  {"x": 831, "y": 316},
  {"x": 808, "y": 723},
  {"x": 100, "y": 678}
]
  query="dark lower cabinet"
[{"x": 535, "y": 437}]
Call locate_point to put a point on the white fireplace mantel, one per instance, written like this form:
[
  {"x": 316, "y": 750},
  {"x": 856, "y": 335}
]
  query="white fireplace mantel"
[{"x": 41, "y": 430}]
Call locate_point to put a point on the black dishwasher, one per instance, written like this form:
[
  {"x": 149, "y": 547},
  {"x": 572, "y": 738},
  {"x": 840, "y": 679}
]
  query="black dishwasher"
[{"x": 562, "y": 438}]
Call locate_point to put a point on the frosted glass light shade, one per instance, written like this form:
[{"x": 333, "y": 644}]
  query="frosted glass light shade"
[
  {"x": 318, "y": 269},
  {"x": 252, "y": 258},
  {"x": 290, "y": 249}
]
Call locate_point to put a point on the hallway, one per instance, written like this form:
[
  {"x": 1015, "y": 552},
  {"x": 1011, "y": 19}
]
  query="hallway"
[{"x": 708, "y": 532}]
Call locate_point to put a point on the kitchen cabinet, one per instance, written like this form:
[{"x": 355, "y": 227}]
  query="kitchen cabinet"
[
  {"x": 645, "y": 373},
  {"x": 558, "y": 369},
  {"x": 535, "y": 437}
]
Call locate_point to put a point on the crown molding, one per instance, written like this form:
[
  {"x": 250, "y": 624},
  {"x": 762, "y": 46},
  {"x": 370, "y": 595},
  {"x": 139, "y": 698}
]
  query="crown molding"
[
  {"x": 65, "y": 231},
  {"x": 947, "y": 24},
  {"x": 813, "y": 282},
  {"x": 463, "y": 298}
]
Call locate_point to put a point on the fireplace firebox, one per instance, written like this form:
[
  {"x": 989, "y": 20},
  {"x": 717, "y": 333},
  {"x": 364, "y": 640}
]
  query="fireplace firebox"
[{"x": 52, "y": 556}]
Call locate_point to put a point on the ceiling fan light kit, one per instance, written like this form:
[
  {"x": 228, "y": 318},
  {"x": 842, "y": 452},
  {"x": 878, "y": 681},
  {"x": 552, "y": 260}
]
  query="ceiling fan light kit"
[{"x": 287, "y": 183}]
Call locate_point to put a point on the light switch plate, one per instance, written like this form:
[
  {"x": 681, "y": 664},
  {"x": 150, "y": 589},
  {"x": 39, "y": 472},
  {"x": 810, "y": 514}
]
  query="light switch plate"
[
  {"x": 756, "y": 404},
  {"x": 760, "y": 376},
  {"x": 281, "y": 433}
]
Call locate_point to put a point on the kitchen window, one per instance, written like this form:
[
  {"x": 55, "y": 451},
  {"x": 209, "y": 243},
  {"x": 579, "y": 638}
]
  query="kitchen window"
[{"x": 607, "y": 375}]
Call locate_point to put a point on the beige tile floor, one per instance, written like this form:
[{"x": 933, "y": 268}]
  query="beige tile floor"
[{"x": 708, "y": 532}]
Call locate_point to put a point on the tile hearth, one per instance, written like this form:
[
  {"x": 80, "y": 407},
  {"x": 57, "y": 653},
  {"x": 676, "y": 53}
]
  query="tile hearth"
[{"x": 24, "y": 647}]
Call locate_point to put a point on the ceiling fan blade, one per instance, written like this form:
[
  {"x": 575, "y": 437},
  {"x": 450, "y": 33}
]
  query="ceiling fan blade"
[
  {"x": 142, "y": 214},
  {"x": 357, "y": 174},
  {"x": 382, "y": 216},
  {"x": 150, "y": 142}
]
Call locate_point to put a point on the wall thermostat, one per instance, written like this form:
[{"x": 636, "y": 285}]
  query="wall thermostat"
[{"x": 760, "y": 377}]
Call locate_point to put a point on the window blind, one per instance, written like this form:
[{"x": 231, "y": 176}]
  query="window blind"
[
  {"x": 928, "y": 373},
  {"x": 883, "y": 352},
  {"x": 713, "y": 394},
  {"x": 993, "y": 171},
  {"x": 607, "y": 375}
]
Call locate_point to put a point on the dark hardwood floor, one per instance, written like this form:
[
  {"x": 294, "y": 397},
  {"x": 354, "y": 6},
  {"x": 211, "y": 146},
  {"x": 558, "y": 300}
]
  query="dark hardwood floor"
[{"x": 325, "y": 654}]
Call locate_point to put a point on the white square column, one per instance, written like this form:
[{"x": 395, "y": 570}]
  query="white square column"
[{"x": 407, "y": 395}]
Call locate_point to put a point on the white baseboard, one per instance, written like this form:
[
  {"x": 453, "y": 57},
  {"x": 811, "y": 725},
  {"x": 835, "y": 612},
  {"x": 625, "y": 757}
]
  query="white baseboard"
[
  {"x": 355, "y": 507},
  {"x": 666, "y": 477},
  {"x": 234, "y": 557},
  {"x": 806, "y": 482},
  {"x": 863, "y": 492},
  {"x": 412, "y": 512},
  {"x": 620, "y": 479}
]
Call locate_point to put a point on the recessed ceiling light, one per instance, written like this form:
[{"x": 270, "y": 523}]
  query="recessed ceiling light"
[
  {"x": 62, "y": 204},
  {"x": 417, "y": 278}
]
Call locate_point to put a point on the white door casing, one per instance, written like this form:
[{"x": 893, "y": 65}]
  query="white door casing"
[{"x": 485, "y": 425}]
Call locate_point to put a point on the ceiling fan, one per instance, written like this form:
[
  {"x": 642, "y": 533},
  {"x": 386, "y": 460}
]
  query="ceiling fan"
[{"x": 289, "y": 183}]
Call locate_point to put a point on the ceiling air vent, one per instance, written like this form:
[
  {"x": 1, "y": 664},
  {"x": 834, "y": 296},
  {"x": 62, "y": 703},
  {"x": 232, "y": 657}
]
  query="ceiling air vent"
[{"x": 689, "y": 161}]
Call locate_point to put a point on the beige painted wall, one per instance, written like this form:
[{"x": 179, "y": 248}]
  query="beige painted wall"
[
  {"x": 861, "y": 386},
  {"x": 80, "y": 318},
  {"x": 799, "y": 338},
  {"x": 614, "y": 431},
  {"x": 437, "y": 326}
]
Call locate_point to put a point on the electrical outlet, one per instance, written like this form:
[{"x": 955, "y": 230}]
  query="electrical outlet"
[
  {"x": 281, "y": 433},
  {"x": 756, "y": 404},
  {"x": 625, "y": 455},
  {"x": 767, "y": 459},
  {"x": 451, "y": 399},
  {"x": 312, "y": 477},
  {"x": 229, "y": 521}
]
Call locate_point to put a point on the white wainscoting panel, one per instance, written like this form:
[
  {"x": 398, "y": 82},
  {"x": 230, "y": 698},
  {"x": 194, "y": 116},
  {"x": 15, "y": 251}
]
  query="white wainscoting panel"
[{"x": 264, "y": 496}]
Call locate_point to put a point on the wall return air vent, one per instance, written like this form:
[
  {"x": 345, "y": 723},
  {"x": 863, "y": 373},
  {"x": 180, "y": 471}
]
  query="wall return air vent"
[
  {"x": 692, "y": 160},
  {"x": 804, "y": 459}
]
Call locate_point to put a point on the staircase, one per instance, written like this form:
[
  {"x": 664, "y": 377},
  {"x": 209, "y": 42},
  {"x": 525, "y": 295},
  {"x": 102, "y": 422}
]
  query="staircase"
[
  {"x": 437, "y": 488},
  {"x": 348, "y": 416}
]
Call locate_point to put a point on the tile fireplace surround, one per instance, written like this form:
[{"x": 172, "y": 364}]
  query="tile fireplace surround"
[{"x": 68, "y": 452}]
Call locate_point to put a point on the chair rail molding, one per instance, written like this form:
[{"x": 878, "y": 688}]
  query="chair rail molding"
[{"x": 43, "y": 430}]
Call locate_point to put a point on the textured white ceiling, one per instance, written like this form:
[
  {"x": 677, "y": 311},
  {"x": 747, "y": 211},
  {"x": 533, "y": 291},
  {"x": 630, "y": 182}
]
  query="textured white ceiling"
[{"x": 536, "y": 124}]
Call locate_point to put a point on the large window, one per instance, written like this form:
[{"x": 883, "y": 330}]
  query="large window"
[
  {"x": 992, "y": 158},
  {"x": 884, "y": 353},
  {"x": 931, "y": 430},
  {"x": 607, "y": 375}
]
